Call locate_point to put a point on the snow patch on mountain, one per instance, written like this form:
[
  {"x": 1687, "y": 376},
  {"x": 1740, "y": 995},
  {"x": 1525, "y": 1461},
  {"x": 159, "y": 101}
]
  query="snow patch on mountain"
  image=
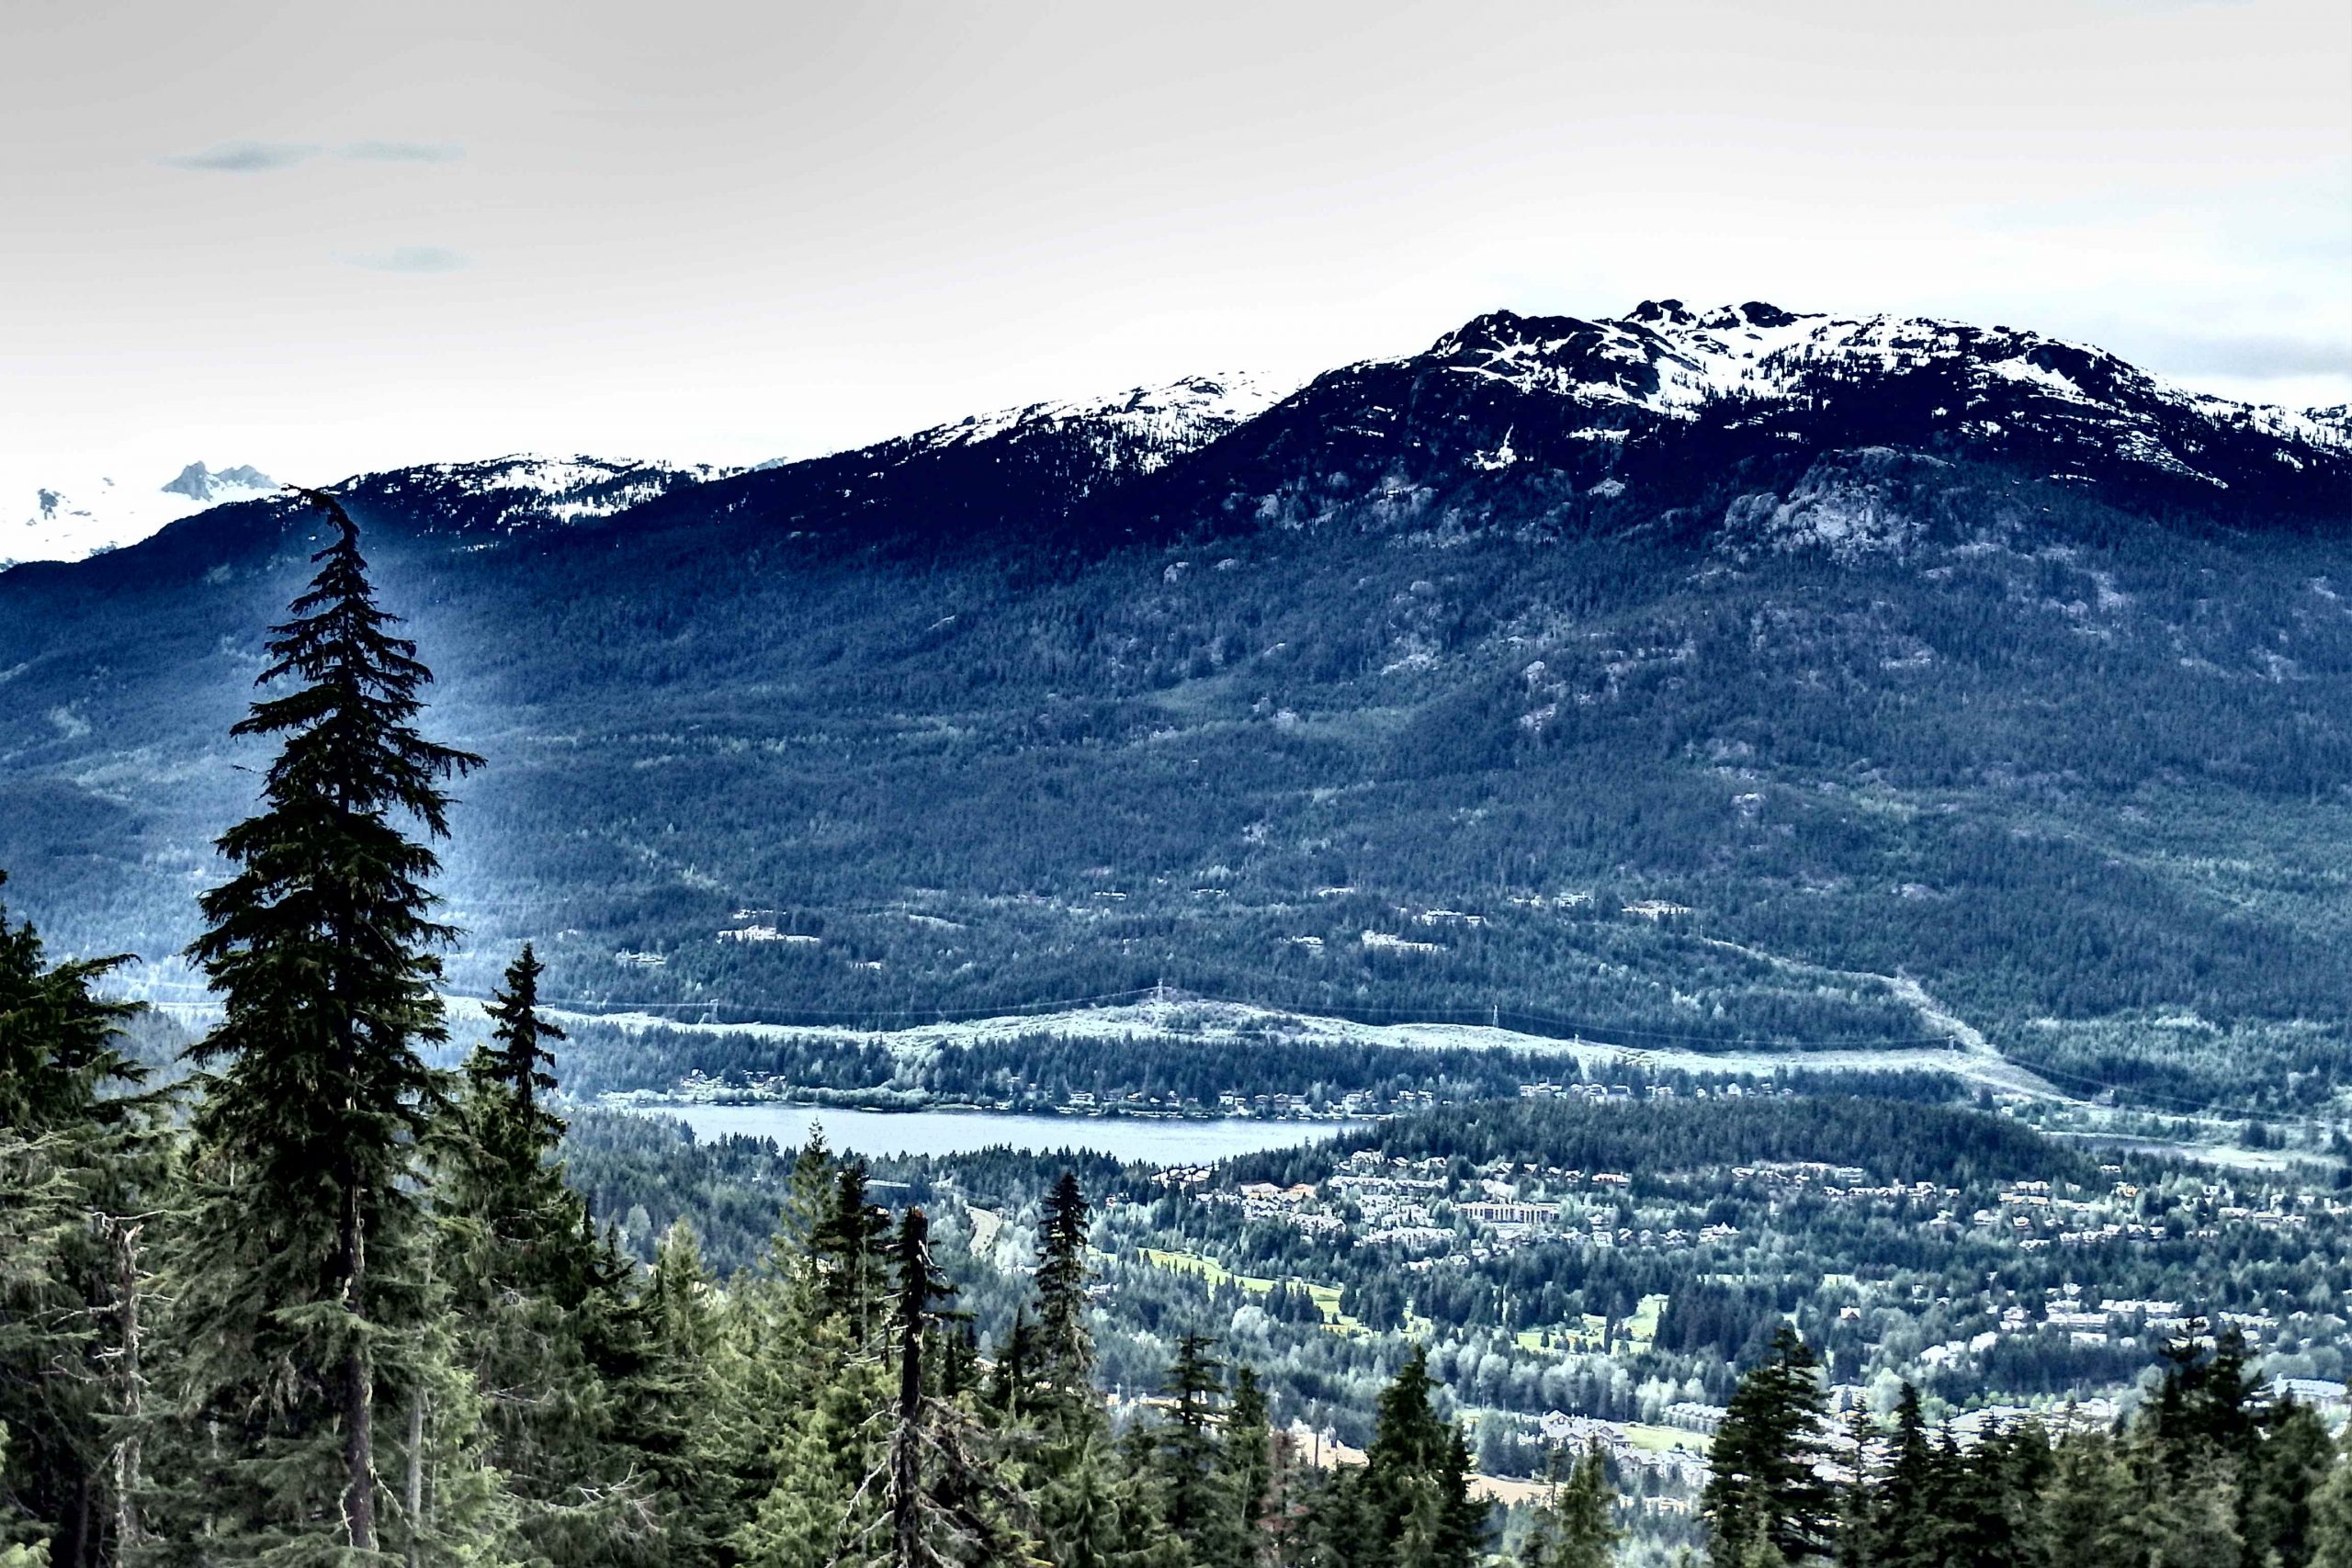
[
  {"x": 1143, "y": 429},
  {"x": 525, "y": 489},
  {"x": 1664, "y": 359},
  {"x": 68, "y": 521}
]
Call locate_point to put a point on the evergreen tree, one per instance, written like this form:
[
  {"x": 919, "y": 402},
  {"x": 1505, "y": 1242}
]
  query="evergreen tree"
[
  {"x": 1064, "y": 1344},
  {"x": 1858, "y": 1505},
  {"x": 519, "y": 1263},
  {"x": 1184, "y": 1448},
  {"x": 301, "y": 1294},
  {"x": 1247, "y": 1471},
  {"x": 2288, "y": 1470},
  {"x": 851, "y": 1254},
  {"x": 1092, "y": 1508},
  {"x": 81, "y": 1156},
  {"x": 1572, "y": 1527},
  {"x": 2089, "y": 1504},
  {"x": 1409, "y": 1505},
  {"x": 1766, "y": 1497},
  {"x": 2208, "y": 1405},
  {"x": 2332, "y": 1516},
  {"x": 1995, "y": 1496},
  {"x": 1902, "y": 1519},
  {"x": 15, "y": 1549},
  {"x": 522, "y": 1063},
  {"x": 948, "y": 1505},
  {"x": 807, "y": 1407},
  {"x": 1013, "y": 1381}
]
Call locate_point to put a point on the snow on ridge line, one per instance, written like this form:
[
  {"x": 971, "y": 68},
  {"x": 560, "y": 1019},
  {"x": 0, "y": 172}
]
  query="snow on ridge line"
[
  {"x": 1181, "y": 413},
  {"x": 546, "y": 475},
  {"x": 1759, "y": 350}
]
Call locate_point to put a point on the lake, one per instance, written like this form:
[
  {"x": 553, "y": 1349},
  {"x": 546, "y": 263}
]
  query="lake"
[{"x": 882, "y": 1132}]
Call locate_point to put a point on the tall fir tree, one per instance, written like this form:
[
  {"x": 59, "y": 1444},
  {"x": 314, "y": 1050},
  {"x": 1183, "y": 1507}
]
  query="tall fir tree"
[
  {"x": 1900, "y": 1526},
  {"x": 521, "y": 1065},
  {"x": 851, "y": 1251},
  {"x": 1765, "y": 1499},
  {"x": 301, "y": 1291},
  {"x": 2282, "y": 1486},
  {"x": 1572, "y": 1527},
  {"x": 1409, "y": 1505},
  {"x": 2089, "y": 1508},
  {"x": 949, "y": 1505},
  {"x": 809, "y": 1474},
  {"x": 1184, "y": 1447},
  {"x": 1246, "y": 1472},
  {"x": 1063, "y": 1344},
  {"x": 1092, "y": 1508}
]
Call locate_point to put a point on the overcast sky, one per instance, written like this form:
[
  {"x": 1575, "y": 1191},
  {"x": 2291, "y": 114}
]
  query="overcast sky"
[{"x": 327, "y": 238}]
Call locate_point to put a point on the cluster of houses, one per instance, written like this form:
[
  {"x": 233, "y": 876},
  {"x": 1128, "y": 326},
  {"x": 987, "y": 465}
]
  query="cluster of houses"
[
  {"x": 1683, "y": 1467},
  {"x": 2039, "y": 1217},
  {"x": 1414, "y": 1205},
  {"x": 1627, "y": 1094}
]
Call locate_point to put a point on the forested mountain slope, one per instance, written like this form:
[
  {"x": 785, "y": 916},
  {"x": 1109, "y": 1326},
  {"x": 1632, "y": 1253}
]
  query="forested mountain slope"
[{"x": 1524, "y": 672}]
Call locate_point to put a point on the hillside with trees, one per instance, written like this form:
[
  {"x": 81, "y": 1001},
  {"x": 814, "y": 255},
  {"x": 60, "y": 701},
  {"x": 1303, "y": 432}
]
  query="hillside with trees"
[{"x": 322, "y": 1301}]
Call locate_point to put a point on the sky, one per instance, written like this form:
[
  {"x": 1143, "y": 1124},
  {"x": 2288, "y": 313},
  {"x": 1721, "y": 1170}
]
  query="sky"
[{"x": 325, "y": 238}]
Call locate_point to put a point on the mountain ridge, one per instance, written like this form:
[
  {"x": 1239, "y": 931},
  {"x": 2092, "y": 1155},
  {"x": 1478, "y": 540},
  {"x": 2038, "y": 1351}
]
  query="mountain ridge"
[
  {"x": 2073, "y": 411},
  {"x": 1320, "y": 698}
]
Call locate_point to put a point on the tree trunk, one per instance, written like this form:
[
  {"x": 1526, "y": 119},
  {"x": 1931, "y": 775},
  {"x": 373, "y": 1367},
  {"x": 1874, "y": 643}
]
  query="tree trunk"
[
  {"x": 77, "y": 1552},
  {"x": 127, "y": 1530},
  {"x": 416, "y": 1479},
  {"x": 359, "y": 1394},
  {"x": 906, "y": 1458}
]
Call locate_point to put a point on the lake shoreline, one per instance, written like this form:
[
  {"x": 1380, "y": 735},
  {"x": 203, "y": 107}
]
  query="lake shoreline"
[
  {"x": 632, "y": 1100},
  {"x": 940, "y": 1130}
]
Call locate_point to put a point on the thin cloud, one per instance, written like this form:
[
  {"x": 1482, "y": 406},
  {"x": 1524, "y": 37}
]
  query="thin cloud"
[
  {"x": 245, "y": 157},
  {"x": 402, "y": 151},
  {"x": 412, "y": 259}
]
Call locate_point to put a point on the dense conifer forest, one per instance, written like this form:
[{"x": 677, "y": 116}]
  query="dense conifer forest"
[
  {"x": 318, "y": 1300},
  {"x": 2072, "y": 765}
]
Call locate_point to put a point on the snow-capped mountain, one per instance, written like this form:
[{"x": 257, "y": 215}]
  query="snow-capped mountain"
[
  {"x": 1716, "y": 418},
  {"x": 1025, "y": 469},
  {"x": 1727, "y": 417},
  {"x": 1982, "y": 384},
  {"x": 1139, "y": 431},
  {"x": 520, "y": 491},
  {"x": 63, "y": 522},
  {"x": 496, "y": 495},
  {"x": 198, "y": 483},
  {"x": 1833, "y": 621}
]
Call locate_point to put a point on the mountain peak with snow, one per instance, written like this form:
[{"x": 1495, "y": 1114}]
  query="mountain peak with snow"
[
  {"x": 65, "y": 521},
  {"x": 1140, "y": 430},
  {"x": 200, "y": 484},
  {"x": 1913, "y": 380}
]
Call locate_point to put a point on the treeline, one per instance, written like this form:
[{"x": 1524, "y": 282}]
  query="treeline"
[
  {"x": 1043, "y": 1067},
  {"x": 1892, "y": 1139},
  {"x": 2208, "y": 1473}
]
